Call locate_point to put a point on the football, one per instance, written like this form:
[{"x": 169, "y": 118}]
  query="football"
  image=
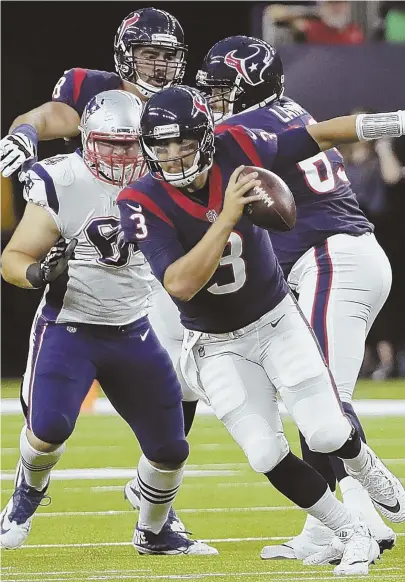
[{"x": 276, "y": 209}]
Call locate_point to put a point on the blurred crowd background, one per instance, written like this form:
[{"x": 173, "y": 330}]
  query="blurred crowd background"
[{"x": 339, "y": 58}]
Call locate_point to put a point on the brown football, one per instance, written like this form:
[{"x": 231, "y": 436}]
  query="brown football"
[{"x": 276, "y": 209}]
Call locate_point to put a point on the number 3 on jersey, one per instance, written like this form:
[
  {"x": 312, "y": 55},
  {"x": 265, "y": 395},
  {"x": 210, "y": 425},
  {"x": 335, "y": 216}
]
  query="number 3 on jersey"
[{"x": 237, "y": 264}]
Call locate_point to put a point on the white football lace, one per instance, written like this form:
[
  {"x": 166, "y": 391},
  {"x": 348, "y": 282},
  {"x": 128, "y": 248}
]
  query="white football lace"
[
  {"x": 387, "y": 488},
  {"x": 356, "y": 546}
]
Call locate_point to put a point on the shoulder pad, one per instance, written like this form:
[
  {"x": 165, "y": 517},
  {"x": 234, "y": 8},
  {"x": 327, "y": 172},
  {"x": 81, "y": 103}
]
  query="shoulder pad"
[{"x": 60, "y": 169}]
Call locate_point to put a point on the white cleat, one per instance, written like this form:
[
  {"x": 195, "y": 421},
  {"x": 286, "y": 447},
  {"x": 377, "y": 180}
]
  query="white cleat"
[
  {"x": 355, "y": 549},
  {"x": 385, "y": 490},
  {"x": 312, "y": 540},
  {"x": 16, "y": 517},
  {"x": 361, "y": 550},
  {"x": 12, "y": 533}
]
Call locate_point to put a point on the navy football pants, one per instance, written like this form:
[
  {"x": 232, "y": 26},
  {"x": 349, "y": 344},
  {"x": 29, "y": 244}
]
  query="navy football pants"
[{"x": 133, "y": 369}]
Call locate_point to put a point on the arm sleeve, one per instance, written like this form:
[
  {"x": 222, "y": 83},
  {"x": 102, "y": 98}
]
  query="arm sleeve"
[
  {"x": 155, "y": 238},
  {"x": 39, "y": 188}
]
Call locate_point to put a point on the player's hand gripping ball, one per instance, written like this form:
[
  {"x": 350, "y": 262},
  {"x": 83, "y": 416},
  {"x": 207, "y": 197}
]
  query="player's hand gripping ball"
[{"x": 276, "y": 208}]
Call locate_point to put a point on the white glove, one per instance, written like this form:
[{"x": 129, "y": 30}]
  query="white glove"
[{"x": 17, "y": 148}]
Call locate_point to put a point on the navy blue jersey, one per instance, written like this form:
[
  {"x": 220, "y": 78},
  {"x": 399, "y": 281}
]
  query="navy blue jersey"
[
  {"x": 167, "y": 224},
  {"x": 326, "y": 204},
  {"x": 78, "y": 86}
]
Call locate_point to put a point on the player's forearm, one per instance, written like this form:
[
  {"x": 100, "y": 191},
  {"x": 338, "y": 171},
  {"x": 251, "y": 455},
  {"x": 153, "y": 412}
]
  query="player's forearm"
[
  {"x": 51, "y": 120},
  {"x": 352, "y": 128},
  {"x": 334, "y": 132},
  {"x": 187, "y": 276},
  {"x": 14, "y": 267}
]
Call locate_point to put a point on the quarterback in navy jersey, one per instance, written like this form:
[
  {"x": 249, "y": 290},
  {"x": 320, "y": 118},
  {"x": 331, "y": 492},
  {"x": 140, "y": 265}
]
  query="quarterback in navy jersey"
[
  {"x": 246, "y": 339},
  {"x": 331, "y": 258}
]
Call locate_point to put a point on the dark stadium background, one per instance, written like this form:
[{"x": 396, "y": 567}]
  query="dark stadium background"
[{"x": 41, "y": 39}]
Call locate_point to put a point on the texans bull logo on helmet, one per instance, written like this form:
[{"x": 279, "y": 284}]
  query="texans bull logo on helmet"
[
  {"x": 200, "y": 104},
  {"x": 132, "y": 19},
  {"x": 252, "y": 67}
]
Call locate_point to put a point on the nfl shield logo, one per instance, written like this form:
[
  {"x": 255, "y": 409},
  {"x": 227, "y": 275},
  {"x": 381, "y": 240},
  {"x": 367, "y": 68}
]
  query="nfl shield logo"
[{"x": 212, "y": 215}]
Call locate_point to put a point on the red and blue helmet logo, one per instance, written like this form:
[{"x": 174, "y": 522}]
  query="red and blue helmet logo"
[
  {"x": 132, "y": 19},
  {"x": 252, "y": 66}
]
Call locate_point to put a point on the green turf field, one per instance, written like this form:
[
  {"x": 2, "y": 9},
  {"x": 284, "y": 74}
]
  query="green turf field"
[{"x": 85, "y": 534}]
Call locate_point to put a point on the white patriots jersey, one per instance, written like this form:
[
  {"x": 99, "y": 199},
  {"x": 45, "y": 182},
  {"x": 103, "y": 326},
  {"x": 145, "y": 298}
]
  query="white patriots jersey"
[{"x": 108, "y": 281}]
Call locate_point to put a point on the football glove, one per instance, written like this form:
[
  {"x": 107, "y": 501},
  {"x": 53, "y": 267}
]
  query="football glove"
[
  {"x": 17, "y": 148},
  {"x": 53, "y": 265}
]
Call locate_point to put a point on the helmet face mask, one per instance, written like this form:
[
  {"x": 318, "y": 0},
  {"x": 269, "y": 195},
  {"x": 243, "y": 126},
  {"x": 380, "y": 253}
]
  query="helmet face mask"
[
  {"x": 180, "y": 151},
  {"x": 249, "y": 72},
  {"x": 110, "y": 135},
  {"x": 149, "y": 50},
  {"x": 114, "y": 158}
]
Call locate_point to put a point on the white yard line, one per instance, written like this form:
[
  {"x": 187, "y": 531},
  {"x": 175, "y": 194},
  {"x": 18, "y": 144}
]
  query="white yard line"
[
  {"x": 122, "y": 473},
  {"x": 291, "y": 576},
  {"x": 199, "y": 510},
  {"x": 208, "y": 541},
  {"x": 362, "y": 407}
]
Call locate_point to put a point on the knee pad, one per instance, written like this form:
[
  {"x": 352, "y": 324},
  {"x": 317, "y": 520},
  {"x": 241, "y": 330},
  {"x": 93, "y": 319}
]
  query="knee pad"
[
  {"x": 330, "y": 436},
  {"x": 52, "y": 426},
  {"x": 174, "y": 453},
  {"x": 265, "y": 453}
]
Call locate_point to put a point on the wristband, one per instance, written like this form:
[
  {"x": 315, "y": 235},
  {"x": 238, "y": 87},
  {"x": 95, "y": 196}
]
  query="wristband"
[
  {"x": 377, "y": 125},
  {"x": 27, "y": 130},
  {"x": 34, "y": 275}
]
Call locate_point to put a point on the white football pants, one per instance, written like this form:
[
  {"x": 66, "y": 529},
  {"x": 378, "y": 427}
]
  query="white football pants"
[
  {"x": 165, "y": 320},
  {"x": 240, "y": 373},
  {"x": 342, "y": 286}
]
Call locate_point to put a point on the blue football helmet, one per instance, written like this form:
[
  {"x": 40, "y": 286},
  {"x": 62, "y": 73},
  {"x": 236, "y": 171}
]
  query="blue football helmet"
[
  {"x": 240, "y": 73},
  {"x": 178, "y": 113},
  {"x": 159, "y": 31}
]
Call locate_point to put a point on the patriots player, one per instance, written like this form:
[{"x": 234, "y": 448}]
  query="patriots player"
[
  {"x": 246, "y": 339},
  {"x": 331, "y": 258},
  {"x": 87, "y": 326},
  {"x": 149, "y": 54}
]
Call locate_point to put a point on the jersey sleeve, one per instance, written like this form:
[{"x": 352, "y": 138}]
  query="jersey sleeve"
[
  {"x": 295, "y": 145},
  {"x": 254, "y": 147},
  {"x": 146, "y": 225},
  {"x": 77, "y": 86},
  {"x": 39, "y": 188}
]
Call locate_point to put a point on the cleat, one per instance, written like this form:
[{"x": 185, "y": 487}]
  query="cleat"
[
  {"x": 388, "y": 542},
  {"x": 313, "y": 539},
  {"x": 355, "y": 549},
  {"x": 331, "y": 554},
  {"x": 133, "y": 495},
  {"x": 168, "y": 542},
  {"x": 385, "y": 490},
  {"x": 16, "y": 517}
]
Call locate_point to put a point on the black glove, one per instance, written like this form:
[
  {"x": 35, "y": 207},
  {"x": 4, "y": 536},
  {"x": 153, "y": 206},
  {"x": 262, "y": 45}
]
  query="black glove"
[{"x": 53, "y": 265}]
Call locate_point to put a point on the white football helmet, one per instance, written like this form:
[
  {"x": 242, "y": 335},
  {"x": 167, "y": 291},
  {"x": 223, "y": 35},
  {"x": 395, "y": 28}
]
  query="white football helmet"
[{"x": 110, "y": 135}]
